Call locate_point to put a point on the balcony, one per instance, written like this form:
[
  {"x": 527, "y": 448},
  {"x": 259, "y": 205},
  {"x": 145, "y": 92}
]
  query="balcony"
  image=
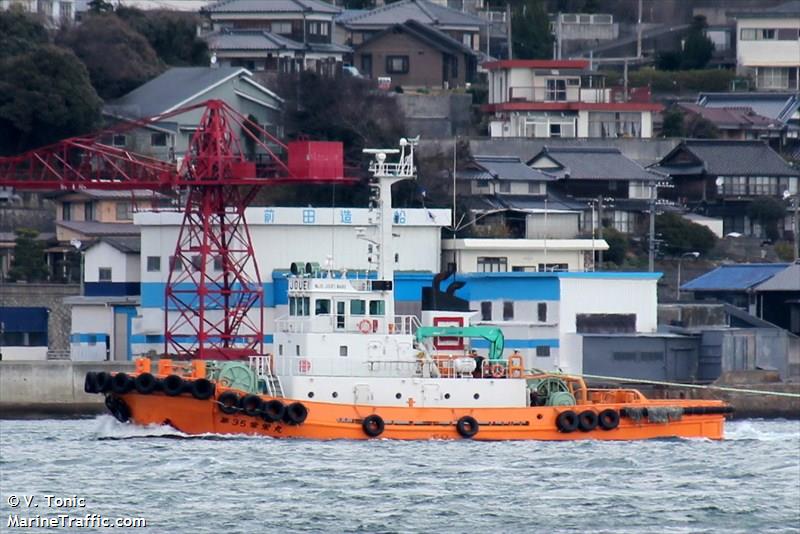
[{"x": 590, "y": 95}]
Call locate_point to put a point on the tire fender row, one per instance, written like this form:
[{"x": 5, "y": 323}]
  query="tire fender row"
[
  {"x": 587, "y": 420},
  {"x": 271, "y": 411},
  {"x": 147, "y": 384}
]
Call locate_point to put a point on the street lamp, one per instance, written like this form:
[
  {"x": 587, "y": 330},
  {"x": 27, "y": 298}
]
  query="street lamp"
[
  {"x": 796, "y": 226},
  {"x": 694, "y": 255},
  {"x": 76, "y": 243}
]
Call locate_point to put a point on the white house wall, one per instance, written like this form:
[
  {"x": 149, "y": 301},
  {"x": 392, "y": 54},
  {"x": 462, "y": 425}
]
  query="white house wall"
[
  {"x": 104, "y": 255},
  {"x": 767, "y": 53}
]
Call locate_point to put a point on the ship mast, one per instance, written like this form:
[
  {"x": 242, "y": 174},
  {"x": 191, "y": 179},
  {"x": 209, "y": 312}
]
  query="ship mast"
[{"x": 384, "y": 176}]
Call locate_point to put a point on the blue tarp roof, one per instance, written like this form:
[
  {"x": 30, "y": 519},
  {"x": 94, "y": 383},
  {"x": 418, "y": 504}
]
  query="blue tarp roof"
[{"x": 738, "y": 276}]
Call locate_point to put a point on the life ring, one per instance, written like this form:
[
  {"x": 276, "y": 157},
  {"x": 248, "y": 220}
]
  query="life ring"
[
  {"x": 228, "y": 402},
  {"x": 121, "y": 383},
  {"x": 272, "y": 411},
  {"x": 90, "y": 382},
  {"x": 467, "y": 427},
  {"x": 173, "y": 385},
  {"x": 145, "y": 383},
  {"x": 608, "y": 419},
  {"x": 567, "y": 421},
  {"x": 118, "y": 408},
  {"x": 373, "y": 425},
  {"x": 251, "y": 405},
  {"x": 102, "y": 381},
  {"x": 587, "y": 420},
  {"x": 498, "y": 371},
  {"x": 202, "y": 389},
  {"x": 296, "y": 414},
  {"x": 364, "y": 326}
]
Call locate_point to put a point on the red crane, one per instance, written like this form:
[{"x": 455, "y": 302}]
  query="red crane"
[{"x": 214, "y": 295}]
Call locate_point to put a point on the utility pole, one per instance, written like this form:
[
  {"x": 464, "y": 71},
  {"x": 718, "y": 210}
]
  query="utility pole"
[
  {"x": 639, "y": 33},
  {"x": 651, "y": 248},
  {"x": 600, "y": 228},
  {"x": 508, "y": 29}
]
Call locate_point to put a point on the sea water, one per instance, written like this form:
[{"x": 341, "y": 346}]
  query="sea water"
[{"x": 750, "y": 482}]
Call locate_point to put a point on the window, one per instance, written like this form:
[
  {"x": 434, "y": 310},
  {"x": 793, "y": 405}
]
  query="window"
[
  {"x": 176, "y": 264},
  {"x": 543, "y": 351},
  {"x": 377, "y": 307},
  {"x": 555, "y": 129},
  {"x": 623, "y": 221},
  {"x": 153, "y": 264},
  {"x": 342, "y": 350},
  {"x": 488, "y": 264},
  {"x": 624, "y": 356},
  {"x": 88, "y": 211},
  {"x": 757, "y": 34},
  {"x": 482, "y": 184},
  {"x": 396, "y": 64},
  {"x": 772, "y": 78},
  {"x": 119, "y": 140},
  {"x": 322, "y": 307},
  {"x": 358, "y": 307},
  {"x": 366, "y": 64},
  {"x": 541, "y": 312},
  {"x": 486, "y": 311},
  {"x": 556, "y": 90},
  {"x": 505, "y": 187},
  {"x": 282, "y": 27},
  {"x": 313, "y": 28},
  {"x": 553, "y": 267},
  {"x": 535, "y": 188},
  {"x": 610, "y": 124},
  {"x": 763, "y": 185},
  {"x": 733, "y": 185},
  {"x": 66, "y": 10},
  {"x": 66, "y": 211},
  {"x": 605, "y": 323},
  {"x": 323, "y": 28},
  {"x": 466, "y": 40},
  {"x": 299, "y": 305},
  {"x": 104, "y": 274},
  {"x": 217, "y": 263},
  {"x": 124, "y": 212},
  {"x": 158, "y": 139},
  {"x": 508, "y": 311},
  {"x": 197, "y": 262}
]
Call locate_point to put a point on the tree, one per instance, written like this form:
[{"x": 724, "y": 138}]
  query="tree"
[
  {"x": 20, "y": 32},
  {"x": 45, "y": 95},
  {"x": 29, "y": 260},
  {"x": 118, "y": 58},
  {"x": 172, "y": 34},
  {"x": 100, "y": 6},
  {"x": 767, "y": 211},
  {"x": 668, "y": 60},
  {"x": 698, "y": 48},
  {"x": 530, "y": 29},
  {"x": 672, "y": 125},
  {"x": 591, "y": 6},
  {"x": 618, "y": 245},
  {"x": 699, "y": 127},
  {"x": 681, "y": 235}
]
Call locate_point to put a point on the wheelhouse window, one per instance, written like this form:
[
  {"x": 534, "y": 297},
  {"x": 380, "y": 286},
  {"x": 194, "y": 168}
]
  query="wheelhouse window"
[
  {"x": 358, "y": 307},
  {"x": 486, "y": 311},
  {"x": 322, "y": 307},
  {"x": 541, "y": 312},
  {"x": 508, "y": 311},
  {"x": 299, "y": 306},
  {"x": 377, "y": 307},
  {"x": 397, "y": 64}
]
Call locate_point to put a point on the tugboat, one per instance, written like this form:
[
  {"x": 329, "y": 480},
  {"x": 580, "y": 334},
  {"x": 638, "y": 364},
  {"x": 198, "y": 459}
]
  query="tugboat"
[{"x": 346, "y": 366}]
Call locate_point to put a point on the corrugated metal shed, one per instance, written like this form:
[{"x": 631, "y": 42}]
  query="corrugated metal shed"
[{"x": 735, "y": 277}]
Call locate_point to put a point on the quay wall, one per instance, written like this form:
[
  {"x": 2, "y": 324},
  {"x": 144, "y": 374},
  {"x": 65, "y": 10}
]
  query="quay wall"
[{"x": 45, "y": 388}]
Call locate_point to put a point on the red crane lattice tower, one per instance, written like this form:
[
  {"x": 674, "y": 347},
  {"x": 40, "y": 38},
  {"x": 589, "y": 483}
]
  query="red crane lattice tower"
[{"x": 214, "y": 296}]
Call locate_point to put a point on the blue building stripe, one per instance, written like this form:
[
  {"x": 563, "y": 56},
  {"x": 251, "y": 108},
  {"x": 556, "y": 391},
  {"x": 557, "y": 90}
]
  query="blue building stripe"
[{"x": 88, "y": 338}]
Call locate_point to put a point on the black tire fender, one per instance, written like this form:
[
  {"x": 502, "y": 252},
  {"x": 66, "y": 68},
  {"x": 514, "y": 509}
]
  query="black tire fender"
[
  {"x": 118, "y": 408},
  {"x": 251, "y": 405},
  {"x": 587, "y": 420},
  {"x": 202, "y": 389},
  {"x": 90, "y": 382},
  {"x": 608, "y": 419},
  {"x": 103, "y": 381},
  {"x": 173, "y": 385},
  {"x": 121, "y": 383},
  {"x": 373, "y": 425},
  {"x": 467, "y": 427},
  {"x": 296, "y": 414},
  {"x": 567, "y": 421},
  {"x": 145, "y": 383},
  {"x": 272, "y": 411},
  {"x": 228, "y": 402}
]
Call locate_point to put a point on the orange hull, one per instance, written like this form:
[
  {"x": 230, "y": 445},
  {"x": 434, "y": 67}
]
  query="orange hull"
[{"x": 337, "y": 421}]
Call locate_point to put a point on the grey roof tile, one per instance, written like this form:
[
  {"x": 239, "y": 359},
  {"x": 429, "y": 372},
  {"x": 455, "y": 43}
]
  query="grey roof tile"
[
  {"x": 419, "y": 10},
  {"x": 126, "y": 244},
  {"x": 780, "y": 106},
  {"x": 272, "y": 6},
  {"x": 510, "y": 168},
  {"x": 97, "y": 229},
  {"x": 426, "y": 33},
  {"x": 250, "y": 40},
  {"x": 786, "y": 280},
  {"x": 732, "y": 158},
  {"x": 593, "y": 163}
]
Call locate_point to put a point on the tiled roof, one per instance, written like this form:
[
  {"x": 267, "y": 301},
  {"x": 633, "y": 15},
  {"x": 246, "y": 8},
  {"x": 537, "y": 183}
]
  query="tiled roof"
[
  {"x": 787, "y": 8},
  {"x": 420, "y": 10},
  {"x": 428, "y": 34},
  {"x": 125, "y": 244},
  {"x": 98, "y": 229},
  {"x": 272, "y": 6},
  {"x": 510, "y": 168},
  {"x": 740, "y": 118},
  {"x": 732, "y": 158},
  {"x": 786, "y": 280},
  {"x": 778, "y": 106},
  {"x": 250, "y": 40},
  {"x": 522, "y": 202},
  {"x": 593, "y": 163},
  {"x": 735, "y": 277}
]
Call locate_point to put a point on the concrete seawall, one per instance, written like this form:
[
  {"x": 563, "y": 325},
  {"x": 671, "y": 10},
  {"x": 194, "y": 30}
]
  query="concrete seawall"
[{"x": 36, "y": 389}]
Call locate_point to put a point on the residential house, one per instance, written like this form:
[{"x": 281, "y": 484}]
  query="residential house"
[
  {"x": 545, "y": 99},
  {"x": 507, "y": 198},
  {"x": 781, "y": 107},
  {"x": 736, "y": 123},
  {"x": 303, "y": 26},
  {"x": 54, "y": 12},
  {"x": 768, "y": 46},
  {"x": 575, "y": 31},
  {"x": 356, "y": 28},
  {"x": 520, "y": 255},
  {"x": 414, "y": 54},
  {"x": 179, "y": 87},
  {"x": 111, "y": 266},
  {"x": 604, "y": 178},
  {"x": 720, "y": 178},
  {"x": 779, "y": 298}
]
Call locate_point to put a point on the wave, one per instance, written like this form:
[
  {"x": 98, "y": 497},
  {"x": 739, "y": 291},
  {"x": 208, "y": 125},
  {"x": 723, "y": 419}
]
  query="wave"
[
  {"x": 762, "y": 430},
  {"x": 109, "y": 428}
]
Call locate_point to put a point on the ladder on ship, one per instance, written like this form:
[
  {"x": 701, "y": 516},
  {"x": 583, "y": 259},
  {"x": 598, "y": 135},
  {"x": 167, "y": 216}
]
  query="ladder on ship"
[{"x": 262, "y": 366}]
